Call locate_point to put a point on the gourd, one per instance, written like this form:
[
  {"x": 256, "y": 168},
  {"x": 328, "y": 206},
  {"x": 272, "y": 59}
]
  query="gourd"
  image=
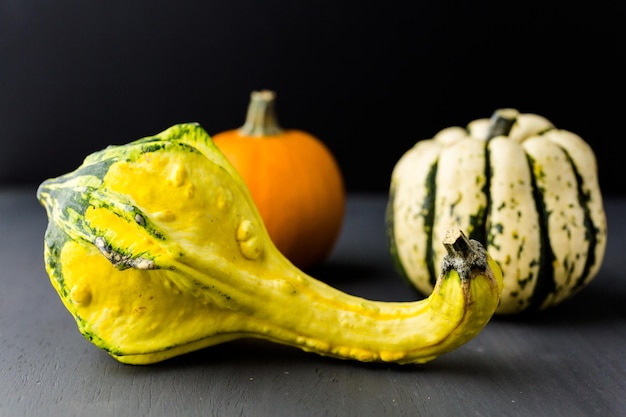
[
  {"x": 527, "y": 190},
  {"x": 294, "y": 180},
  {"x": 156, "y": 249}
]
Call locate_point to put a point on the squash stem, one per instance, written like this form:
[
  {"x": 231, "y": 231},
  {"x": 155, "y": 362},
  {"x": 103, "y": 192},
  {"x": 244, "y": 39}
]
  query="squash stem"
[
  {"x": 501, "y": 122},
  {"x": 261, "y": 119},
  {"x": 463, "y": 255}
]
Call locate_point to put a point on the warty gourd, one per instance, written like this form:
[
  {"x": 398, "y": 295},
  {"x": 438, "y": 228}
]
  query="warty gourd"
[{"x": 157, "y": 249}]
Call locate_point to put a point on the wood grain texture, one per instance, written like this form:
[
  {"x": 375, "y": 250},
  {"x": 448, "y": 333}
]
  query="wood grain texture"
[{"x": 568, "y": 361}]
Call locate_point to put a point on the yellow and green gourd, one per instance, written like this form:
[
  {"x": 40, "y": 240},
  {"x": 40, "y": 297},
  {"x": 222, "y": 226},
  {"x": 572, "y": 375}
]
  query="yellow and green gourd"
[{"x": 156, "y": 249}]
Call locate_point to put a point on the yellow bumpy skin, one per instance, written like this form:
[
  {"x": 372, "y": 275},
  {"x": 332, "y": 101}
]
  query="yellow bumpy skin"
[{"x": 156, "y": 249}]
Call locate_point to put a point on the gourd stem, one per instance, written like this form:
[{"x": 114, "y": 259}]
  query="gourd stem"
[
  {"x": 501, "y": 122},
  {"x": 261, "y": 118},
  {"x": 456, "y": 243},
  {"x": 463, "y": 254}
]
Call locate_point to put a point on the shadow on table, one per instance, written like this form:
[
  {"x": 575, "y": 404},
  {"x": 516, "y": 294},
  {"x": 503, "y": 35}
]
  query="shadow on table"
[
  {"x": 258, "y": 353},
  {"x": 603, "y": 300}
]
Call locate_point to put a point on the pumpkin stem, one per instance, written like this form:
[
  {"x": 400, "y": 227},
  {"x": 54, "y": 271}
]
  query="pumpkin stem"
[
  {"x": 261, "y": 118},
  {"x": 501, "y": 122}
]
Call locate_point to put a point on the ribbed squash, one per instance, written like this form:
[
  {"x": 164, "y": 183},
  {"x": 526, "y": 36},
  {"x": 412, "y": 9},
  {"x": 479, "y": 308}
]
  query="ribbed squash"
[{"x": 516, "y": 183}]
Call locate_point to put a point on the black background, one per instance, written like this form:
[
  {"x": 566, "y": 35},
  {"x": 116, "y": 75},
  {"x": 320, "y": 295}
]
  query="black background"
[{"x": 369, "y": 78}]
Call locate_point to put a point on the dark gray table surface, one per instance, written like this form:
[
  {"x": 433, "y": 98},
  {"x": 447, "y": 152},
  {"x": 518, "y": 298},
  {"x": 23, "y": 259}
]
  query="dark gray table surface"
[{"x": 569, "y": 361}]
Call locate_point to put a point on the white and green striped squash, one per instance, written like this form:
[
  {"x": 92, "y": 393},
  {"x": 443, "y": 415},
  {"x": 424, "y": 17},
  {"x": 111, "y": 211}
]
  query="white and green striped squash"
[{"x": 525, "y": 189}]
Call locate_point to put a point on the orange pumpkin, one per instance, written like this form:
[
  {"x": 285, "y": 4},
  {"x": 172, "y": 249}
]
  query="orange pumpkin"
[{"x": 293, "y": 178}]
